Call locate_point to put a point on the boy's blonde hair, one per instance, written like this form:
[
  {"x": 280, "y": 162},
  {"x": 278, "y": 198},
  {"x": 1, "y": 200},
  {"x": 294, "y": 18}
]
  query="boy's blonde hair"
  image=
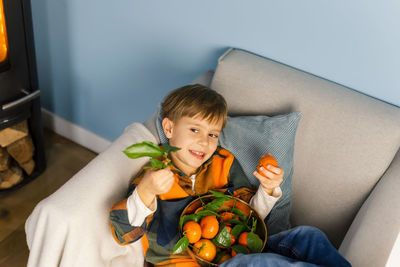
[{"x": 195, "y": 100}]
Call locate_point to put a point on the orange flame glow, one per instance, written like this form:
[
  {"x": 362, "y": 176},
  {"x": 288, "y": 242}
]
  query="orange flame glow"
[{"x": 3, "y": 35}]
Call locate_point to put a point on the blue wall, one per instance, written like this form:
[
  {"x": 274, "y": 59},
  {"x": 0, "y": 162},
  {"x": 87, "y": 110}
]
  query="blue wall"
[{"x": 104, "y": 64}]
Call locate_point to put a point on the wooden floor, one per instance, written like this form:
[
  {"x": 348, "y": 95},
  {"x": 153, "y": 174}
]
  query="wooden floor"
[{"x": 64, "y": 159}]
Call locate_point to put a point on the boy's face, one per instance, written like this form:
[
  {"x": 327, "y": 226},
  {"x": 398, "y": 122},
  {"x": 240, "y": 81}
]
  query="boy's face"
[{"x": 197, "y": 138}]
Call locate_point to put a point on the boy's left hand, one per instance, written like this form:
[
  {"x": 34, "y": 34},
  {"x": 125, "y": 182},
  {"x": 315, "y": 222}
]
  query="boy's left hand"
[{"x": 274, "y": 177}]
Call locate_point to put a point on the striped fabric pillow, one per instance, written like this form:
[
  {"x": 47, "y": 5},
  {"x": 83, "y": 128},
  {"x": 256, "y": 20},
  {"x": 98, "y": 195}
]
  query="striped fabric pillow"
[{"x": 250, "y": 137}]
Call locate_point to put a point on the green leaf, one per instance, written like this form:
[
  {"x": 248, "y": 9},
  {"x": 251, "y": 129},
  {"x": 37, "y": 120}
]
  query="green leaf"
[
  {"x": 223, "y": 238},
  {"x": 219, "y": 255},
  {"x": 238, "y": 229},
  {"x": 206, "y": 212},
  {"x": 151, "y": 144},
  {"x": 203, "y": 245},
  {"x": 168, "y": 149},
  {"x": 240, "y": 213},
  {"x": 218, "y": 194},
  {"x": 201, "y": 200},
  {"x": 254, "y": 226},
  {"x": 215, "y": 204},
  {"x": 235, "y": 222},
  {"x": 254, "y": 243},
  {"x": 157, "y": 164},
  {"x": 143, "y": 149},
  {"x": 181, "y": 245},
  {"x": 240, "y": 249},
  {"x": 190, "y": 217}
]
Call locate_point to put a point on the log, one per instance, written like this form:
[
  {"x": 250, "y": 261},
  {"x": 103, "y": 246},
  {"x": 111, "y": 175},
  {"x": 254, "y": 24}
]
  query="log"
[
  {"x": 13, "y": 133},
  {"x": 4, "y": 159},
  {"x": 28, "y": 166},
  {"x": 10, "y": 177},
  {"x": 21, "y": 150}
]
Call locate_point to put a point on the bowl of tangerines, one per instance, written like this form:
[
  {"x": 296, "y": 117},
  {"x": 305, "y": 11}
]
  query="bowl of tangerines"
[{"x": 217, "y": 227}]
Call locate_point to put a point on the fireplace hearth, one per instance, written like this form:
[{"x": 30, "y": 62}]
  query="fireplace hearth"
[{"x": 19, "y": 93}]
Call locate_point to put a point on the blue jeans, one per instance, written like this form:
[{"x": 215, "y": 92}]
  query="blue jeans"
[{"x": 300, "y": 246}]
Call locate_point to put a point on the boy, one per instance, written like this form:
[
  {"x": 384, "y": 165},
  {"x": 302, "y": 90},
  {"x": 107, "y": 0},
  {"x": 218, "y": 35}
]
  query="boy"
[{"x": 193, "y": 117}]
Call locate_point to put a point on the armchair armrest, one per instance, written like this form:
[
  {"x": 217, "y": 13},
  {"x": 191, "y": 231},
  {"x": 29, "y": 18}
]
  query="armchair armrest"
[
  {"x": 205, "y": 78},
  {"x": 373, "y": 238},
  {"x": 71, "y": 227}
]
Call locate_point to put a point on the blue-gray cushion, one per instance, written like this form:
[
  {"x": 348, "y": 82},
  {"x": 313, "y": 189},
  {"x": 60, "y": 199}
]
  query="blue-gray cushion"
[{"x": 250, "y": 137}]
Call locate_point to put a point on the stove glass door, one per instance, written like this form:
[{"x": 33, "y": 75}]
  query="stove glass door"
[{"x": 3, "y": 35}]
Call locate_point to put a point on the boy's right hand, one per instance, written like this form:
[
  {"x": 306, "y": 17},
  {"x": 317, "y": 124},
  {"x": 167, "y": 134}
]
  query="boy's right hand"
[{"x": 153, "y": 183}]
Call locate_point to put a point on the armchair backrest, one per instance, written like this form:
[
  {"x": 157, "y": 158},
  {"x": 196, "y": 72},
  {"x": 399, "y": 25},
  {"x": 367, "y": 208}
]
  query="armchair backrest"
[{"x": 344, "y": 144}]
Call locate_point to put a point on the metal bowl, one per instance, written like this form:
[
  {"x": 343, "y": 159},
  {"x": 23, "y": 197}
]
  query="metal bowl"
[{"x": 261, "y": 229}]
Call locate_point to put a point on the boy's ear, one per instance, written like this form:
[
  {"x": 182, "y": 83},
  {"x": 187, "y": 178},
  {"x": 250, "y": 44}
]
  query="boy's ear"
[{"x": 168, "y": 127}]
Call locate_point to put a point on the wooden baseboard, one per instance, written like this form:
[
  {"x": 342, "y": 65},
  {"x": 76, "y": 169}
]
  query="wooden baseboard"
[{"x": 74, "y": 132}]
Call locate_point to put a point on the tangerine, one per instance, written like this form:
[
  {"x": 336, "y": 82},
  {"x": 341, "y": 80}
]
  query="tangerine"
[
  {"x": 236, "y": 204},
  {"x": 198, "y": 209},
  {"x": 205, "y": 249},
  {"x": 224, "y": 258},
  {"x": 193, "y": 231},
  {"x": 232, "y": 237},
  {"x": 233, "y": 253},
  {"x": 265, "y": 161},
  {"x": 243, "y": 238},
  {"x": 209, "y": 226},
  {"x": 226, "y": 216}
]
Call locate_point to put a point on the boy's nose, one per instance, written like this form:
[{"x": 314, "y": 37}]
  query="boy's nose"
[{"x": 203, "y": 140}]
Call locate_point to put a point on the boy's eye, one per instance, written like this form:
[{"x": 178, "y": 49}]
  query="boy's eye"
[
  {"x": 194, "y": 130},
  {"x": 213, "y": 135}
]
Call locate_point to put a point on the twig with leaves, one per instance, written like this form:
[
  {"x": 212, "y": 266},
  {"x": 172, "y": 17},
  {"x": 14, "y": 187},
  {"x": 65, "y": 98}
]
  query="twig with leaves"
[{"x": 152, "y": 150}]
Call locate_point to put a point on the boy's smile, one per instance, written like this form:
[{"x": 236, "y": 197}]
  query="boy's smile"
[{"x": 197, "y": 138}]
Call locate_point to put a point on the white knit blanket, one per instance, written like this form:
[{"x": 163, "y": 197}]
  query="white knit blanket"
[{"x": 71, "y": 226}]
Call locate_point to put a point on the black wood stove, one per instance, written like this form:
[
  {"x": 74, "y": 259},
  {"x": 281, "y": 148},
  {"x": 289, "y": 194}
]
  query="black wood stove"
[{"x": 19, "y": 93}]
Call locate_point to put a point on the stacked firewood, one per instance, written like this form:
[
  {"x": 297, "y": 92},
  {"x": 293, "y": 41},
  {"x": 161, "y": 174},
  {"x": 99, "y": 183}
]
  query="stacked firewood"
[{"x": 16, "y": 155}]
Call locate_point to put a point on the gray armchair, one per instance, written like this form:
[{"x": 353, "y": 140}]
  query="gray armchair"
[{"x": 346, "y": 175}]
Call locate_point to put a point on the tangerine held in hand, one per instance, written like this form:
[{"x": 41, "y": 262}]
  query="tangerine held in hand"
[
  {"x": 209, "y": 226},
  {"x": 193, "y": 231},
  {"x": 264, "y": 162},
  {"x": 205, "y": 249}
]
